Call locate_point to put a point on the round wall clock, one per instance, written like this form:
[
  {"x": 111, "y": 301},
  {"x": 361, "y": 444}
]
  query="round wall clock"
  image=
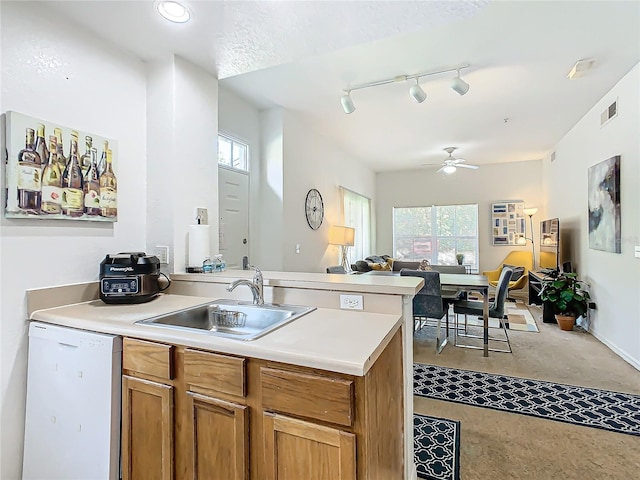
[{"x": 314, "y": 209}]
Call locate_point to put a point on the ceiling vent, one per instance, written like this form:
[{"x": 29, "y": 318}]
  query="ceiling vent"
[{"x": 610, "y": 112}]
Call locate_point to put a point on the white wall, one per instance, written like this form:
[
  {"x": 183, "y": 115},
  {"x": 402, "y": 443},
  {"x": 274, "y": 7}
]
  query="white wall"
[
  {"x": 313, "y": 161},
  {"x": 614, "y": 278},
  {"x": 241, "y": 120},
  {"x": 271, "y": 203},
  {"x": 182, "y": 145},
  {"x": 487, "y": 185},
  {"x": 58, "y": 72}
]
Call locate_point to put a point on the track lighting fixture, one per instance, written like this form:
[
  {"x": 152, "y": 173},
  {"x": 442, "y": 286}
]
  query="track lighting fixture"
[
  {"x": 417, "y": 93},
  {"x": 459, "y": 86},
  {"x": 347, "y": 102}
]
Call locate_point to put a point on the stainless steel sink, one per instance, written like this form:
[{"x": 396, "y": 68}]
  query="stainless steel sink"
[{"x": 230, "y": 318}]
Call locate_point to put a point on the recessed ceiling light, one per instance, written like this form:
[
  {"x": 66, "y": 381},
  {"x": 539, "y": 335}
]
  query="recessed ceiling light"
[{"x": 173, "y": 11}]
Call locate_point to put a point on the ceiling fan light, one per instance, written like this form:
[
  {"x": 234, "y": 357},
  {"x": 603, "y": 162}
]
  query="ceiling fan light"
[
  {"x": 417, "y": 93},
  {"x": 347, "y": 103},
  {"x": 459, "y": 86},
  {"x": 449, "y": 169}
]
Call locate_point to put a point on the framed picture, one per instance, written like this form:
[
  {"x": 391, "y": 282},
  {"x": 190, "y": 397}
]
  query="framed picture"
[
  {"x": 57, "y": 172},
  {"x": 604, "y": 205},
  {"x": 508, "y": 221}
]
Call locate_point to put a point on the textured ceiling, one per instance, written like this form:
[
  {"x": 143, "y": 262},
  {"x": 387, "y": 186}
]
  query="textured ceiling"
[{"x": 300, "y": 55}]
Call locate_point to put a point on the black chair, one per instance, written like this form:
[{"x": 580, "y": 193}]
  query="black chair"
[
  {"x": 428, "y": 303},
  {"x": 496, "y": 310},
  {"x": 336, "y": 269}
]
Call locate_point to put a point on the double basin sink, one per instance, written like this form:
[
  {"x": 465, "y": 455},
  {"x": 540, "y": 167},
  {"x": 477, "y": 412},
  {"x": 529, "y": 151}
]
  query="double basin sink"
[{"x": 230, "y": 318}]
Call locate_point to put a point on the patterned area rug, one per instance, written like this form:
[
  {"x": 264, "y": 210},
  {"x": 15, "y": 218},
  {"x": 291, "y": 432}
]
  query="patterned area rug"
[
  {"x": 589, "y": 407},
  {"x": 436, "y": 447},
  {"x": 520, "y": 318}
]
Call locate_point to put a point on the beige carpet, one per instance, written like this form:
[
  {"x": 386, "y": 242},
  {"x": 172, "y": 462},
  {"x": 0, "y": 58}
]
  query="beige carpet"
[{"x": 501, "y": 445}]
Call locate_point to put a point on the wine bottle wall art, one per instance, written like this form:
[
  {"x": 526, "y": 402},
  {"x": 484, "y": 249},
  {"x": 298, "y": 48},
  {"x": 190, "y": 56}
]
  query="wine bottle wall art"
[{"x": 57, "y": 172}]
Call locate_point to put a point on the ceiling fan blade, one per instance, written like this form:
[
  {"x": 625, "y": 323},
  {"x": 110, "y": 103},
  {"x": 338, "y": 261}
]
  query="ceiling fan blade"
[
  {"x": 459, "y": 160},
  {"x": 472, "y": 167},
  {"x": 431, "y": 165},
  {"x": 440, "y": 169}
]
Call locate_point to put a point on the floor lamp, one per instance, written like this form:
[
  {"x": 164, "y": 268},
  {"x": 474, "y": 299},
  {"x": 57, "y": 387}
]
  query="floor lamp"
[
  {"x": 343, "y": 236},
  {"x": 531, "y": 212}
]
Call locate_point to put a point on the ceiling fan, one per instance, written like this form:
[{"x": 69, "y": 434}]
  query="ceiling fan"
[{"x": 450, "y": 164}]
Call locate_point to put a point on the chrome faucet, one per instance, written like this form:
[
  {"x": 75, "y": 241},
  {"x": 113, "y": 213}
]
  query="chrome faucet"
[{"x": 256, "y": 286}]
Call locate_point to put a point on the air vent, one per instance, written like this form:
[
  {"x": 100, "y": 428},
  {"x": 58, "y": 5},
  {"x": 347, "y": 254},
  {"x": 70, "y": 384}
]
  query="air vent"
[
  {"x": 610, "y": 112},
  {"x": 553, "y": 156}
]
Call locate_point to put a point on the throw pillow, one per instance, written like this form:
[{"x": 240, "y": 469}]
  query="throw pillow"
[
  {"x": 380, "y": 266},
  {"x": 517, "y": 272},
  {"x": 424, "y": 266}
]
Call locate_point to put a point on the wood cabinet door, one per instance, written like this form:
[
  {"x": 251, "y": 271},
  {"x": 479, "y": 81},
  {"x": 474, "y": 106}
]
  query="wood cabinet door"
[
  {"x": 219, "y": 438},
  {"x": 147, "y": 430},
  {"x": 295, "y": 449}
]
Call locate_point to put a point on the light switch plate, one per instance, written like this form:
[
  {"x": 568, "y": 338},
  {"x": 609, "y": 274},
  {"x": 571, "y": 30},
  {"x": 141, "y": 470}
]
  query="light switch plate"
[
  {"x": 162, "y": 252},
  {"x": 351, "y": 302},
  {"x": 637, "y": 248}
]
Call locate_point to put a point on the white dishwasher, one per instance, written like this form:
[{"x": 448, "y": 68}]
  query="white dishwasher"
[{"x": 72, "y": 424}]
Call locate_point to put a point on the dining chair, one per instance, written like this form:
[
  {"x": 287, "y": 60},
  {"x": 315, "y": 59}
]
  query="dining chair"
[
  {"x": 496, "y": 310},
  {"x": 428, "y": 303}
]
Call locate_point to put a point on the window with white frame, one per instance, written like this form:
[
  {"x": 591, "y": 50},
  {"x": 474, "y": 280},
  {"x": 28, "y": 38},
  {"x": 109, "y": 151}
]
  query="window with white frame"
[
  {"x": 356, "y": 211},
  {"x": 233, "y": 153},
  {"x": 437, "y": 233}
]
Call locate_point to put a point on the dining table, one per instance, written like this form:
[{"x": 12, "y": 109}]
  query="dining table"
[{"x": 462, "y": 282}]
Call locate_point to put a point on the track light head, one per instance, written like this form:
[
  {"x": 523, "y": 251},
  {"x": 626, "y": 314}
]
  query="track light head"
[
  {"x": 417, "y": 93},
  {"x": 449, "y": 169},
  {"x": 459, "y": 86},
  {"x": 347, "y": 103}
]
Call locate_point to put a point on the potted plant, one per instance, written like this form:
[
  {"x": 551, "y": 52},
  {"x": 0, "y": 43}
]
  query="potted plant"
[
  {"x": 567, "y": 296},
  {"x": 459, "y": 258}
]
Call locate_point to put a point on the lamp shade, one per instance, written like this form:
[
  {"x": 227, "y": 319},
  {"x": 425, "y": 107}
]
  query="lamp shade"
[
  {"x": 530, "y": 211},
  {"x": 340, "y": 235}
]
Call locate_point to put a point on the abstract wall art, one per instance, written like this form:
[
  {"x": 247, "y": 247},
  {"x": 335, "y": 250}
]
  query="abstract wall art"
[
  {"x": 604, "y": 205},
  {"x": 507, "y": 222}
]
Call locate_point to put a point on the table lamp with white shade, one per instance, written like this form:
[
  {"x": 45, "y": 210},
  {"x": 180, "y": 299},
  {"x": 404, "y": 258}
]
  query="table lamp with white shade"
[{"x": 343, "y": 236}]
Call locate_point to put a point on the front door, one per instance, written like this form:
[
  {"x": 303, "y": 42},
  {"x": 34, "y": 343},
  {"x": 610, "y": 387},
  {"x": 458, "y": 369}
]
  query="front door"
[{"x": 233, "y": 197}]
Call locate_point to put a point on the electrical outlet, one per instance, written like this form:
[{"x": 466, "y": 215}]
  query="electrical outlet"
[
  {"x": 351, "y": 302},
  {"x": 162, "y": 252},
  {"x": 203, "y": 215},
  {"x": 297, "y": 248}
]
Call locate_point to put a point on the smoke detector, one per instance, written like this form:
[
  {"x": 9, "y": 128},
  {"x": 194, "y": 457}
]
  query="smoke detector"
[{"x": 580, "y": 68}]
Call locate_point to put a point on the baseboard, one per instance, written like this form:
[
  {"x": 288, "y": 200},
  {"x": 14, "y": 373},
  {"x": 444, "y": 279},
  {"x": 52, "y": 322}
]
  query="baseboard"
[{"x": 621, "y": 353}]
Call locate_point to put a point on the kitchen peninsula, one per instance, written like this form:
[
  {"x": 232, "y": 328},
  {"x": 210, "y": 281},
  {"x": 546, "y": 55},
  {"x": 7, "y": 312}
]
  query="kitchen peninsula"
[{"x": 307, "y": 376}]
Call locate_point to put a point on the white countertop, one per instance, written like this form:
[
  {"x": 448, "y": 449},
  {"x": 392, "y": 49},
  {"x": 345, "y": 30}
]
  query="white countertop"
[
  {"x": 394, "y": 285},
  {"x": 336, "y": 340}
]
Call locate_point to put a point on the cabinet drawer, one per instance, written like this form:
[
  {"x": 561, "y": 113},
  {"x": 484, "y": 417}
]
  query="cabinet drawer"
[
  {"x": 313, "y": 396},
  {"x": 212, "y": 371},
  {"x": 147, "y": 357}
]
